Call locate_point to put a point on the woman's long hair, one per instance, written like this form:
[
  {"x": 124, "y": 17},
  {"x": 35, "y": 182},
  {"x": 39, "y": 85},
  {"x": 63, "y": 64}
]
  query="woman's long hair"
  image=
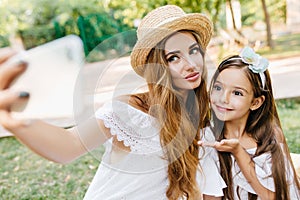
[
  {"x": 180, "y": 122},
  {"x": 263, "y": 125}
]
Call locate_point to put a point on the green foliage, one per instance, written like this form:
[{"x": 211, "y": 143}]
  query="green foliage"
[
  {"x": 3, "y": 41},
  {"x": 62, "y": 15},
  {"x": 37, "y": 35},
  {"x": 113, "y": 47},
  {"x": 95, "y": 28},
  {"x": 252, "y": 11}
]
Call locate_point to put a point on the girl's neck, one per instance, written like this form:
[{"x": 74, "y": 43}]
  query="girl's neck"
[
  {"x": 237, "y": 131},
  {"x": 234, "y": 130}
]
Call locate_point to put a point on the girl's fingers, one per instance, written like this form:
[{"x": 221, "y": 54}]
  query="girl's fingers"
[{"x": 207, "y": 144}]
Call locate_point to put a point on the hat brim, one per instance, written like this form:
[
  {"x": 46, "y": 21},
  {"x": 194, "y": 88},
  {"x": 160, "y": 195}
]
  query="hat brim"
[{"x": 196, "y": 22}]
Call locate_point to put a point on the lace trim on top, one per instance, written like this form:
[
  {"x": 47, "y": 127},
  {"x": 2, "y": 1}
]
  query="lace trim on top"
[{"x": 135, "y": 128}]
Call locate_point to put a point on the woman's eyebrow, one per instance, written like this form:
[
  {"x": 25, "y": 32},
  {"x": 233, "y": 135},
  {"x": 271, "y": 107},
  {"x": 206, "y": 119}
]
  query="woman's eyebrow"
[
  {"x": 193, "y": 45},
  {"x": 172, "y": 52}
]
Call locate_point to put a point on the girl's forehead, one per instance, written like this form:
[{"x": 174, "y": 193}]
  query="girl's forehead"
[{"x": 234, "y": 77}]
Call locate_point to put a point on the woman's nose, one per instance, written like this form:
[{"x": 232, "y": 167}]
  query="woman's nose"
[{"x": 189, "y": 63}]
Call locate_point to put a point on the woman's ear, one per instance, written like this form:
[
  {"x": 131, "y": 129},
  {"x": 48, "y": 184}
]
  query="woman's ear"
[{"x": 257, "y": 102}]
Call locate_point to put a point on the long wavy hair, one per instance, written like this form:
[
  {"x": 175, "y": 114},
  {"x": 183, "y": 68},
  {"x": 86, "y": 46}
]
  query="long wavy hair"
[
  {"x": 180, "y": 122},
  {"x": 263, "y": 125}
]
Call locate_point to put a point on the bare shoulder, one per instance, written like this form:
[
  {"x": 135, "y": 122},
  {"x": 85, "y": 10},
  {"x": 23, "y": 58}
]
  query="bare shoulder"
[{"x": 138, "y": 101}]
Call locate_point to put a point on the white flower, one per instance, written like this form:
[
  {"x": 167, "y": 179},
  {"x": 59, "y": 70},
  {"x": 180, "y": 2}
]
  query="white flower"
[{"x": 257, "y": 64}]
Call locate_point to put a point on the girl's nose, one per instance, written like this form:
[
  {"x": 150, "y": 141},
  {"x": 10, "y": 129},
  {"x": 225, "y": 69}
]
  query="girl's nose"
[{"x": 225, "y": 97}]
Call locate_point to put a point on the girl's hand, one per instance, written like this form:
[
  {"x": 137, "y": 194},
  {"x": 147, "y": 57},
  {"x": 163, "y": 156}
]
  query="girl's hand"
[{"x": 226, "y": 145}]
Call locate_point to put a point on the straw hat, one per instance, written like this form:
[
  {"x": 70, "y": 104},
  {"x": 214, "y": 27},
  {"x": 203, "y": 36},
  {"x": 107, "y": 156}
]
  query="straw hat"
[{"x": 161, "y": 22}]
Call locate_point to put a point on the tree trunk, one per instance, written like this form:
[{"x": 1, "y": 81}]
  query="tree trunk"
[
  {"x": 268, "y": 25},
  {"x": 232, "y": 14}
]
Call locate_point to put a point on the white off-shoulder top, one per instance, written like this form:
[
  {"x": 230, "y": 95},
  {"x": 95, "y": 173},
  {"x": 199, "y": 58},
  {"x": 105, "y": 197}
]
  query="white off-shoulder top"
[
  {"x": 263, "y": 169},
  {"x": 141, "y": 173}
]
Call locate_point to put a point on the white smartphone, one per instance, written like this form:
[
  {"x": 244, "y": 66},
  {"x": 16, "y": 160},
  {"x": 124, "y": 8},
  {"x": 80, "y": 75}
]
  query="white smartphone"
[{"x": 51, "y": 78}]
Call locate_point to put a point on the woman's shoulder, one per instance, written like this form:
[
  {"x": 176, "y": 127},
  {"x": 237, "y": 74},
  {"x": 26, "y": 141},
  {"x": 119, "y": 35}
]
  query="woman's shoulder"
[{"x": 138, "y": 101}]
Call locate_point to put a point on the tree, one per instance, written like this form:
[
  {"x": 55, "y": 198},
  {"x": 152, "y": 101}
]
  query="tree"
[{"x": 268, "y": 25}]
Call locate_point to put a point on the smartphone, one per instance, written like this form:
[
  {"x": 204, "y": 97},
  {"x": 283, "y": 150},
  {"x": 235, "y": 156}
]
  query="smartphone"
[{"x": 52, "y": 78}]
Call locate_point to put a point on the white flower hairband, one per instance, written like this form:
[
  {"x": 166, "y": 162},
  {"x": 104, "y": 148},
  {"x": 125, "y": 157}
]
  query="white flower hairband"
[{"x": 256, "y": 63}]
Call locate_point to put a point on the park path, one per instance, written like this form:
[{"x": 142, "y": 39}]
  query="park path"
[
  {"x": 115, "y": 77},
  {"x": 285, "y": 74}
]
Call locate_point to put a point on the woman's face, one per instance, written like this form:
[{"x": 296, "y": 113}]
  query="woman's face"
[{"x": 185, "y": 60}]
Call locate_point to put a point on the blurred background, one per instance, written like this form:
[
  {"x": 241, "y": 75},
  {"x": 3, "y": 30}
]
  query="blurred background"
[
  {"x": 33, "y": 22},
  {"x": 271, "y": 27}
]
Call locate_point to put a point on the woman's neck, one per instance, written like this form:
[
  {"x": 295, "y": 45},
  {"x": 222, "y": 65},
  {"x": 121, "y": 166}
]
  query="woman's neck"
[{"x": 184, "y": 95}]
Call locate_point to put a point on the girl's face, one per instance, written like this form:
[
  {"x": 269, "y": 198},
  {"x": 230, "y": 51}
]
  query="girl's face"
[
  {"x": 185, "y": 60},
  {"x": 232, "y": 95}
]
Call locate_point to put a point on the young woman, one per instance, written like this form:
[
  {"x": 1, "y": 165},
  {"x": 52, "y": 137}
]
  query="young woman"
[
  {"x": 254, "y": 158},
  {"x": 150, "y": 138}
]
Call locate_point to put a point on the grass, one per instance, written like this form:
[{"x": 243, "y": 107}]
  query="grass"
[
  {"x": 285, "y": 46},
  {"x": 24, "y": 175},
  {"x": 289, "y": 113}
]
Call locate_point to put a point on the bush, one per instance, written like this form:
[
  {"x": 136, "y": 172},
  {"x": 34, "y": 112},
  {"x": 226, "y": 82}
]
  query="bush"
[
  {"x": 37, "y": 35},
  {"x": 3, "y": 41}
]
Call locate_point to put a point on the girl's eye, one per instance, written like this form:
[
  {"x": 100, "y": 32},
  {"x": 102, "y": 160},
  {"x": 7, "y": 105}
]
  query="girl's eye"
[
  {"x": 238, "y": 93},
  {"x": 216, "y": 87},
  {"x": 172, "y": 58}
]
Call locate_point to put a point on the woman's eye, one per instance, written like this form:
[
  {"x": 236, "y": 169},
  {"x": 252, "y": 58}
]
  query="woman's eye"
[
  {"x": 195, "y": 50},
  {"x": 172, "y": 58}
]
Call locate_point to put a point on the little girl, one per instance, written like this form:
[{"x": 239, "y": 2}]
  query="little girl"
[{"x": 254, "y": 158}]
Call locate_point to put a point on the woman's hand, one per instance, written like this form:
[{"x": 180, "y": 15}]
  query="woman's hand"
[{"x": 8, "y": 72}]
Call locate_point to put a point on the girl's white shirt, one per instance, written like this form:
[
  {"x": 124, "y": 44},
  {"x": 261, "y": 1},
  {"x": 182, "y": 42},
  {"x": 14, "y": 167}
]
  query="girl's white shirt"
[
  {"x": 263, "y": 169},
  {"x": 141, "y": 173}
]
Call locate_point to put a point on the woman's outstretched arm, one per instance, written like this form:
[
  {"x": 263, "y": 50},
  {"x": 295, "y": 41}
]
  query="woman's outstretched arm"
[{"x": 54, "y": 143}]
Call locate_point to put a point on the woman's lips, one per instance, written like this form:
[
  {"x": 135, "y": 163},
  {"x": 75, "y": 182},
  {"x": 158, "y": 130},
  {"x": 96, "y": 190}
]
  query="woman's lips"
[{"x": 193, "y": 76}]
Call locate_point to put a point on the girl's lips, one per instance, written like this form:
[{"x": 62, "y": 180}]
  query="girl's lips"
[
  {"x": 222, "y": 109},
  {"x": 193, "y": 76}
]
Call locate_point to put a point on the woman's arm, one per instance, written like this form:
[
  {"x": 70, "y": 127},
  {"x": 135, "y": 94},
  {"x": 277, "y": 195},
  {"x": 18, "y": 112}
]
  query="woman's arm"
[
  {"x": 54, "y": 143},
  {"x": 58, "y": 144}
]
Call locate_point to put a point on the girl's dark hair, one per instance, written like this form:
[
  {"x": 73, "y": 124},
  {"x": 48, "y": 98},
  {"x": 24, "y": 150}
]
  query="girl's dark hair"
[{"x": 263, "y": 125}]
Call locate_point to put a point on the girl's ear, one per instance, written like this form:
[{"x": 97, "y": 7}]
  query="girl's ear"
[{"x": 257, "y": 102}]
